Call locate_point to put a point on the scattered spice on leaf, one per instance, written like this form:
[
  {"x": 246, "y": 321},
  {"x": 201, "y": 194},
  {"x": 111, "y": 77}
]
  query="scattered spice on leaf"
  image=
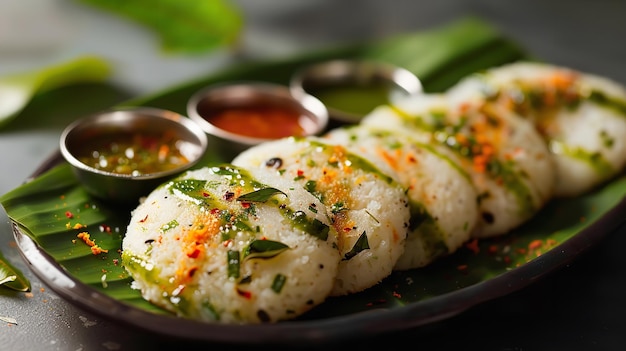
[{"x": 95, "y": 249}]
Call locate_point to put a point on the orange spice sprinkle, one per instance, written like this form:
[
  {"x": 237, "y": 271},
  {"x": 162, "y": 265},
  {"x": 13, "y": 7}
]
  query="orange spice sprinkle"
[
  {"x": 95, "y": 249},
  {"x": 86, "y": 238},
  {"x": 389, "y": 159},
  {"x": 535, "y": 244}
]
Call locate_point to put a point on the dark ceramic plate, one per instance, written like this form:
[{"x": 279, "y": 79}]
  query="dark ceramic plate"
[
  {"x": 45, "y": 210},
  {"x": 492, "y": 268}
]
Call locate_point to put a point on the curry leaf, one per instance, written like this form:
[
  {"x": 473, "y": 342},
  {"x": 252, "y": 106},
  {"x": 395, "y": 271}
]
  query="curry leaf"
[
  {"x": 361, "y": 244},
  {"x": 264, "y": 249},
  {"x": 260, "y": 195}
]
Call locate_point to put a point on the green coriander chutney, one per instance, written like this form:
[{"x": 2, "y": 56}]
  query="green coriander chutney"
[{"x": 353, "y": 99}]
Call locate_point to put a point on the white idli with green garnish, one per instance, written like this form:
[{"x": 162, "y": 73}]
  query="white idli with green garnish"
[
  {"x": 581, "y": 116},
  {"x": 368, "y": 209},
  {"x": 507, "y": 159},
  {"x": 442, "y": 196},
  {"x": 220, "y": 244}
]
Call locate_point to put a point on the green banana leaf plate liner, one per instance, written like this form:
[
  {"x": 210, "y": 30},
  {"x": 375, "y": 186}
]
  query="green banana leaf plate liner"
[{"x": 49, "y": 209}]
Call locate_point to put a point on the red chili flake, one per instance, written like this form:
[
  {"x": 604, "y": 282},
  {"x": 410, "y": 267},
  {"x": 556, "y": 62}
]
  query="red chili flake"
[
  {"x": 396, "y": 294},
  {"x": 116, "y": 261},
  {"x": 229, "y": 195},
  {"x": 245, "y": 204},
  {"x": 535, "y": 244},
  {"x": 205, "y": 194},
  {"x": 104, "y": 228},
  {"x": 521, "y": 250},
  {"x": 143, "y": 219},
  {"x": 69, "y": 214},
  {"x": 192, "y": 271},
  {"x": 473, "y": 246},
  {"x": 493, "y": 249},
  {"x": 244, "y": 294},
  {"x": 377, "y": 302},
  {"x": 215, "y": 211},
  {"x": 194, "y": 254},
  {"x": 300, "y": 173}
]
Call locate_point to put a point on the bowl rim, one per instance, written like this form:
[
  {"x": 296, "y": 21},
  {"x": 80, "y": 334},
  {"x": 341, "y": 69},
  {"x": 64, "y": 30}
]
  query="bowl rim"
[
  {"x": 312, "y": 106},
  {"x": 348, "y": 69},
  {"x": 201, "y": 140}
]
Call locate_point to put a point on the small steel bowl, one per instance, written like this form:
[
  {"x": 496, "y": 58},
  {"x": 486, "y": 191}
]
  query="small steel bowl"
[
  {"x": 238, "y": 115},
  {"x": 179, "y": 132},
  {"x": 361, "y": 83}
]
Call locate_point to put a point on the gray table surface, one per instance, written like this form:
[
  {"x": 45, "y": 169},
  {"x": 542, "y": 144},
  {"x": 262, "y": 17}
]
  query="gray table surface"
[{"x": 580, "y": 307}]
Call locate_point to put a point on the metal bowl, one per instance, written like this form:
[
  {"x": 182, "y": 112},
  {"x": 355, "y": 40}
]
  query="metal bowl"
[
  {"x": 251, "y": 109},
  {"x": 366, "y": 83},
  {"x": 77, "y": 143}
]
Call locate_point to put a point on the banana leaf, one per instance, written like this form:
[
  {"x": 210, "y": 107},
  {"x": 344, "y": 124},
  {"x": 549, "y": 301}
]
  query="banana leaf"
[
  {"x": 51, "y": 209},
  {"x": 11, "y": 277}
]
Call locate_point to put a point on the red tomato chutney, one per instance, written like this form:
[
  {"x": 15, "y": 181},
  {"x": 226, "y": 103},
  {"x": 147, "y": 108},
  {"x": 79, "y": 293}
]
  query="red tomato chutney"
[
  {"x": 259, "y": 119},
  {"x": 134, "y": 154}
]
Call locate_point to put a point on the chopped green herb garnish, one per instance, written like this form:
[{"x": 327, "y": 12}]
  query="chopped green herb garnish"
[
  {"x": 337, "y": 207},
  {"x": 361, "y": 244},
  {"x": 233, "y": 261},
  {"x": 260, "y": 195},
  {"x": 279, "y": 282},
  {"x": 264, "y": 249},
  {"x": 169, "y": 225}
]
